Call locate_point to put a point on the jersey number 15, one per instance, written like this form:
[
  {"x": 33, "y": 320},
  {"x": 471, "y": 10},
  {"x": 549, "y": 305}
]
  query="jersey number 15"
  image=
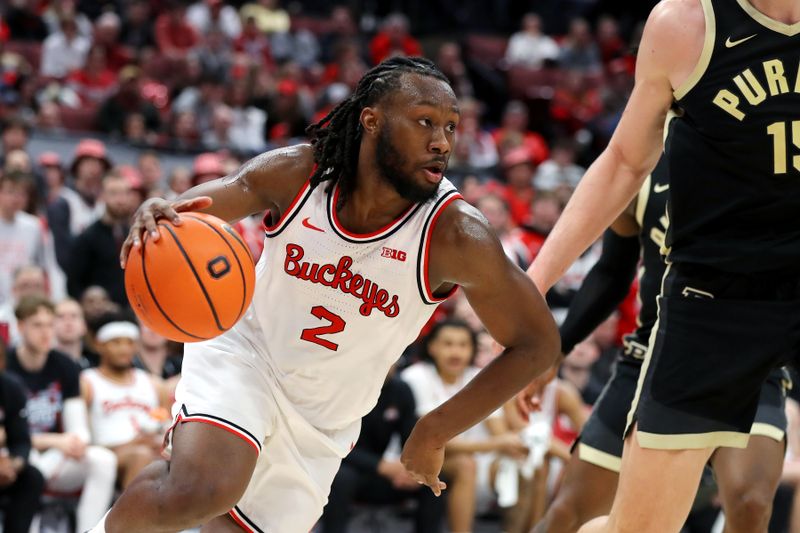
[{"x": 779, "y": 144}]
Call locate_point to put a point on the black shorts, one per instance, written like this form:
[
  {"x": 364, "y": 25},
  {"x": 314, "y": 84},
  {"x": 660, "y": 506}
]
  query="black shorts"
[
  {"x": 718, "y": 337},
  {"x": 601, "y": 440}
]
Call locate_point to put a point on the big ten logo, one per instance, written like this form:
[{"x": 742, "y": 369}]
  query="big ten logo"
[{"x": 391, "y": 253}]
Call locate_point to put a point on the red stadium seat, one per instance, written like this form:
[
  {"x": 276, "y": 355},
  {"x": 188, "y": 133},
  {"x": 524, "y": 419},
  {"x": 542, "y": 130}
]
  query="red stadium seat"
[
  {"x": 79, "y": 119},
  {"x": 488, "y": 49},
  {"x": 31, "y": 51}
]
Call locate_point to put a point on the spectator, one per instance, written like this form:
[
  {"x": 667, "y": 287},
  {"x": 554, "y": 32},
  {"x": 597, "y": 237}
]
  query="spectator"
[
  {"x": 23, "y": 21},
  {"x": 19, "y": 161},
  {"x": 149, "y": 165},
  {"x": 218, "y": 136},
  {"x": 29, "y": 280},
  {"x": 128, "y": 99},
  {"x": 519, "y": 170},
  {"x": 179, "y": 181},
  {"x": 21, "y": 484},
  {"x": 135, "y": 131},
  {"x": 579, "y": 51},
  {"x": 608, "y": 39},
  {"x": 137, "y": 30},
  {"x": 58, "y": 9},
  {"x": 95, "y": 82},
  {"x": 530, "y": 47},
  {"x": 95, "y": 257},
  {"x": 286, "y": 111},
  {"x": 73, "y": 210},
  {"x": 497, "y": 212},
  {"x": 368, "y": 477},
  {"x": 70, "y": 333},
  {"x": 297, "y": 45},
  {"x": 393, "y": 39},
  {"x": 207, "y": 167},
  {"x": 201, "y": 99},
  {"x": 106, "y": 36},
  {"x": 57, "y": 416},
  {"x": 545, "y": 212},
  {"x": 249, "y": 122},
  {"x": 269, "y": 17},
  {"x": 15, "y": 134},
  {"x": 154, "y": 355},
  {"x": 577, "y": 370},
  {"x": 174, "y": 36},
  {"x": 560, "y": 171},
  {"x": 96, "y": 303},
  {"x": 576, "y": 102},
  {"x": 213, "y": 15},
  {"x": 342, "y": 28},
  {"x": 183, "y": 133},
  {"x": 449, "y": 352},
  {"x": 48, "y": 119},
  {"x": 65, "y": 50},
  {"x": 25, "y": 238},
  {"x": 254, "y": 44},
  {"x": 15, "y": 71},
  {"x": 127, "y": 406},
  {"x": 475, "y": 148},
  {"x": 215, "y": 54},
  {"x": 513, "y": 132},
  {"x": 451, "y": 62}
]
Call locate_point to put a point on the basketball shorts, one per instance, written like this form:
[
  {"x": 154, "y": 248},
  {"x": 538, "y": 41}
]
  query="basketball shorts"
[
  {"x": 601, "y": 440},
  {"x": 225, "y": 383},
  {"x": 718, "y": 337}
]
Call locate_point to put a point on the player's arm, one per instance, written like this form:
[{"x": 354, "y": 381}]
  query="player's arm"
[
  {"x": 670, "y": 48},
  {"x": 270, "y": 180},
  {"x": 465, "y": 251},
  {"x": 607, "y": 283}
]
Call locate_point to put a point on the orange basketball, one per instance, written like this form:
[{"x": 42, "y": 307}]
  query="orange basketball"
[{"x": 194, "y": 282}]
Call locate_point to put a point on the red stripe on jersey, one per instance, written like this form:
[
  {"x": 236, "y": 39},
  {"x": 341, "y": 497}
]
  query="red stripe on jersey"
[
  {"x": 426, "y": 253},
  {"x": 241, "y": 523},
  {"x": 229, "y": 429}
]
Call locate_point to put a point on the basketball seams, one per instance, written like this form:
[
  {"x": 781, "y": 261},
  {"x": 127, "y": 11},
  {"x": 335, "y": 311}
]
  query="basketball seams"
[
  {"x": 155, "y": 300},
  {"x": 196, "y": 275},
  {"x": 235, "y": 256}
]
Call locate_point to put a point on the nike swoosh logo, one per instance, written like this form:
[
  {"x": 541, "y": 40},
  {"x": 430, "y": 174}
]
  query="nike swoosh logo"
[
  {"x": 658, "y": 187},
  {"x": 309, "y": 225},
  {"x": 731, "y": 44}
]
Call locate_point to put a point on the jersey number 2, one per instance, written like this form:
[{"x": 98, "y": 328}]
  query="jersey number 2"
[{"x": 336, "y": 325}]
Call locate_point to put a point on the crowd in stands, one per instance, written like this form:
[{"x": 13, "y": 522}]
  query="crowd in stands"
[{"x": 85, "y": 391}]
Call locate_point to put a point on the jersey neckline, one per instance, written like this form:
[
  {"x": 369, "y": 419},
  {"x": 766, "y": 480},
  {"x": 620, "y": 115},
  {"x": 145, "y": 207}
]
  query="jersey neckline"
[
  {"x": 768, "y": 22},
  {"x": 385, "y": 231}
]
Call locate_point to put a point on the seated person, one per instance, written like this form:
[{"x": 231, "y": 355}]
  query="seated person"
[
  {"x": 21, "y": 485},
  {"x": 127, "y": 406},
  {"x": 448, "y": 365},
  {"x": 366, "y": 476},
  {"x": 57, "y": 417}
]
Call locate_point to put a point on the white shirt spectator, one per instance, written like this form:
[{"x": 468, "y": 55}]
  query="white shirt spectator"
[
  {"x": 551, "y": 175},
  {"x": 247, "y": 131},
  {"x": 525, "y": 49},
  {"x": 61, "y": 55},
  {"x": 199, "y": 16}
]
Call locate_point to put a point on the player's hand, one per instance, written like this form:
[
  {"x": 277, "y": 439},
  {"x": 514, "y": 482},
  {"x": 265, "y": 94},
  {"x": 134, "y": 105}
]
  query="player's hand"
[
  {"x": 72, "y": 446},
  {"x": 529, "y": 399},
  {"x": 145, "y": 220},
  {"x": 423, "y": 458},
  {"x": 510, "y": 444},
  {"x": 397, "y": 474}
]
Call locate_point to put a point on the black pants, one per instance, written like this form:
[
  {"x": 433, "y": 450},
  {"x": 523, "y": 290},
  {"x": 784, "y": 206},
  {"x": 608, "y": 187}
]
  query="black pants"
[
  {"x": 352, "y": 485},
  {"x": 21, "y": 500}
]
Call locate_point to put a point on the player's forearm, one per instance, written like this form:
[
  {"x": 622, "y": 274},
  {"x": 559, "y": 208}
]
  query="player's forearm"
[
  {"x": 490, "y": 389},
  {"x": 603, "y": 193}
]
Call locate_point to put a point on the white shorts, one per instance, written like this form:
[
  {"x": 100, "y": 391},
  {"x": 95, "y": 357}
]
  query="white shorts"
[{"x": 225, "y": 383}]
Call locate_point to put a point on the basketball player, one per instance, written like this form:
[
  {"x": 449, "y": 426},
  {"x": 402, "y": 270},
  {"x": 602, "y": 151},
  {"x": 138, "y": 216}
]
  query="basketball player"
[
  {"x": 365, "y": 238},
  {"x": 747, "y": 478},
  {"x": 123, "y": 401},
  {"x": 728, "y": 310}
]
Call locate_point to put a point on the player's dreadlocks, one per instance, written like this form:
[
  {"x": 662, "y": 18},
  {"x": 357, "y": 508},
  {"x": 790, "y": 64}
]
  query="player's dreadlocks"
[{"x": 337, "y": 137}]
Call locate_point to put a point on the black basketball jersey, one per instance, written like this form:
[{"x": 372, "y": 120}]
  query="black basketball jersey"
[
  {"x": 734, "y": 154},
  {"x": 651, "y": 214}
]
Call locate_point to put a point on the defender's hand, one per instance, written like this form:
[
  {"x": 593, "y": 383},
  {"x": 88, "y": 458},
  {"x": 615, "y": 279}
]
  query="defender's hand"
[
  {"x": 423, "y": 458},
  {"x": 146, "y": 217}
]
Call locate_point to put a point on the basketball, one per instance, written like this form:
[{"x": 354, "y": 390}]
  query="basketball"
[{"x": 194, "y": 282}]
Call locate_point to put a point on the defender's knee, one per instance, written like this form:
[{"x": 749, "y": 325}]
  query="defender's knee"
[
  {"x": 563, "y": 515},
  {"x": 464, "y": 466},
  {"x": 748, "y": 509}
]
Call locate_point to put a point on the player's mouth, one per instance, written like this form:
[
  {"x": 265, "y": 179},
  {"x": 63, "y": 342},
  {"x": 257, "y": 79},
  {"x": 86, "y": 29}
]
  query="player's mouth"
[{"x": 434, "y": 171}]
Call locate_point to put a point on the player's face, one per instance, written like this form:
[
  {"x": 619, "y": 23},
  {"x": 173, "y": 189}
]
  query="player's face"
[
  {"x": 452, "y": 350},
  {"x": 118, "y": 353},
  {"x": 37, "y": 330},
  {"x": 416, "y": 138}
]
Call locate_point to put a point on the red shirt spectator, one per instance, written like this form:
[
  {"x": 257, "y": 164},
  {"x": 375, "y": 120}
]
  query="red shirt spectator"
[
  {"x": 393, "y": 39},
  {"x": 513, "y": 132},
  {"x": 174, "y": 36},
  {"x": 95, "y": 82}
]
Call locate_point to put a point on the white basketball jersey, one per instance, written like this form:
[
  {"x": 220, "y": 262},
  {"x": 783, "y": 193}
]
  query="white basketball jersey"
[
  {"x": 118, "y": 411},
  {"x": 335, "y": 309}
]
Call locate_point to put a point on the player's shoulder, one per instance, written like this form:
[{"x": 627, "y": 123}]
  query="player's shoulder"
[
  {"x": 673, "y": 31},
  {"x": 461, "y": 224},
  {"x": 671, "y": 14}
]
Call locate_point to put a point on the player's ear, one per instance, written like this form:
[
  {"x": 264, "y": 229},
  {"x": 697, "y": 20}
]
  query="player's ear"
[{"x": 369, "y": 120}]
